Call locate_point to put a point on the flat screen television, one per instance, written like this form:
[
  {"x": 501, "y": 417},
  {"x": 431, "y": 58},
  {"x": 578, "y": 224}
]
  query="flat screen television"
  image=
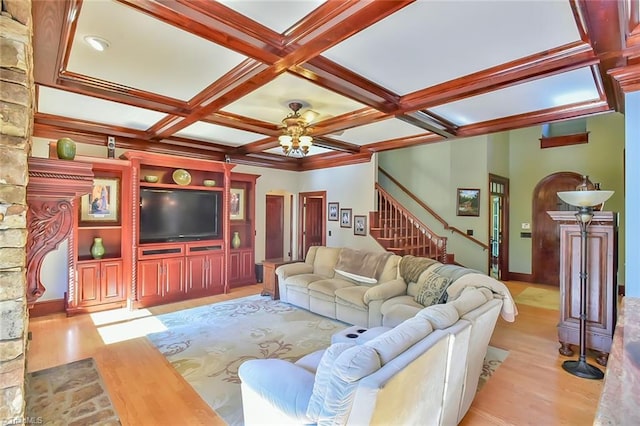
[{"x": 170, "y": 215}]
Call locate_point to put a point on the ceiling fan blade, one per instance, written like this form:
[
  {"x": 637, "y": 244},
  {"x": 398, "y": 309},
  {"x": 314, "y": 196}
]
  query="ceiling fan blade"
[{"x": 309, "y": 115}]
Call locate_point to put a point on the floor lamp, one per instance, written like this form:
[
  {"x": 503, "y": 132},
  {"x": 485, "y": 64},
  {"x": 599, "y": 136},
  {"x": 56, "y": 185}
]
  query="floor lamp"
[{"x": 585, "y": 201}]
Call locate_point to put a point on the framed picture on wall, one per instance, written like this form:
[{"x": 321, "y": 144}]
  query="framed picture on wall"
[
  {"x": 101, "y": 204},
  {"x": 237, "y": 204},
  {"x": 359, "y": 225},
  {"x": 345, "y": 218},
  {"x": 468, "y": 202},
  {"x": 333, "y": 211}
]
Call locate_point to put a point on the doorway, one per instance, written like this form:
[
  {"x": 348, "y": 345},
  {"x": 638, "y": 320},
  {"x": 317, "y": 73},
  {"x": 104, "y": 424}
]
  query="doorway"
[
  {"x": 274, "y": 230},
  {"x": 545, "y": 244},
  {"x": 312, "y": 219},
  {"x": 499, "y": 227}
]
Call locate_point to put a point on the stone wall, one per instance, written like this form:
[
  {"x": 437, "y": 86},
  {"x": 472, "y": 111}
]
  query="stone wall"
[{"x": 16, "y": 125}]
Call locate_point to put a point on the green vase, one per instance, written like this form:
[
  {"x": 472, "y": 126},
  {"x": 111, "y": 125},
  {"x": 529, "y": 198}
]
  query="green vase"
[
  {"x": 235, "y": 241},
  {"x": 97, "y": 249},
  {"x": 66, "y": 149}
]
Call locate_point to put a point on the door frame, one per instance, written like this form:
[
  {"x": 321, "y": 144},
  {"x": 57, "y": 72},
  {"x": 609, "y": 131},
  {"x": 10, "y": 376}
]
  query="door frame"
[
  {"x": 504, "y": 219},
  {"x": 302, "y": 197}
]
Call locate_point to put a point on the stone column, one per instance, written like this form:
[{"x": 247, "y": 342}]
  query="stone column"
[{"x": 16, "y": 127}]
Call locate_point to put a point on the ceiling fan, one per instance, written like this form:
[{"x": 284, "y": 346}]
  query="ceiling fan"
[{"x": 296, "y": 131}]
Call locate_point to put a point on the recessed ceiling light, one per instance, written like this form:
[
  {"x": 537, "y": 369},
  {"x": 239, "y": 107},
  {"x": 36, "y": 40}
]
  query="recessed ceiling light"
[{"x": 98, "y": 43}]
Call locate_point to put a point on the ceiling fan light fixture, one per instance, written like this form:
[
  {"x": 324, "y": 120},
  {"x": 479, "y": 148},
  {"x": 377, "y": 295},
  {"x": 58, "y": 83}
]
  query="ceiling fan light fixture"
[
  {"x": 97, "y": 43},
  {"x": 295, "y": 137}
]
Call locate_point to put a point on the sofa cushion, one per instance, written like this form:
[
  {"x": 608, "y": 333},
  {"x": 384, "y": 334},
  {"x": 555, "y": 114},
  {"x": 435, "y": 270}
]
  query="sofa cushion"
[
  {"x": 301, "y": 282},
  {"x": 352, "y": 296},
  {"x": 398, "y": 313},
  {"x": 325, "y": 260},
  {"x": 440, "y": 316},
  {"x": 432, "y": 289},
  {"x": 323, "y": 376},
  {"x": 329, "y": 287},
  {"x": 395, "y": 341}
]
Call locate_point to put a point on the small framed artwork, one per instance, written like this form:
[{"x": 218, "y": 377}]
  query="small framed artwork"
[
  {"x": 101, "y": 204},
  {"x": 359, "y": 225},
  {"x": 334, "y": 208},
  {"x": 345, "y": 218},
  {"x": 237, "y": 204},
  {"x": 468, "y": 202}
]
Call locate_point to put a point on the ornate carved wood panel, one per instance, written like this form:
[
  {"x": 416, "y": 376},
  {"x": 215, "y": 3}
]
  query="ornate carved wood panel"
[{"x": 53, "y": 186}]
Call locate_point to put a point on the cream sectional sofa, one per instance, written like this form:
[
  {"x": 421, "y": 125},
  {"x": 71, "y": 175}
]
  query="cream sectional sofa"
[
  {"x": 423, "y": 371},
  {"x": 341, "y": 283}
]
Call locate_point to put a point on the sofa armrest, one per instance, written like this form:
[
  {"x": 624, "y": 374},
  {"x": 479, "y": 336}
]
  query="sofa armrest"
[
  {"x": 386, "y": 290},
  {"x": 286, "y": 271},
  {"x": 280, "y": 384}
]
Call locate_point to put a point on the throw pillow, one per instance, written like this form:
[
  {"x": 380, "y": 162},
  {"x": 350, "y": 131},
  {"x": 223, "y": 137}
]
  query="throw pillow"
[{"x": 431, "y": 289}]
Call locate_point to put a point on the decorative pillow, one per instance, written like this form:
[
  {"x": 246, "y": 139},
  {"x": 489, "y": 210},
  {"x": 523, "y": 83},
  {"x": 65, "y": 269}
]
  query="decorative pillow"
[{"x": 431, "y": 289}]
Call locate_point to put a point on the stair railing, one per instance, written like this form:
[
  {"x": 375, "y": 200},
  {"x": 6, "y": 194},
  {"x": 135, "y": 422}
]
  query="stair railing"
[{"x": 404, "y": 231}]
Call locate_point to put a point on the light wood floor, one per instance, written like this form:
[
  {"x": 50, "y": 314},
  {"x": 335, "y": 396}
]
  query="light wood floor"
[{"x": 529, "y": 388}]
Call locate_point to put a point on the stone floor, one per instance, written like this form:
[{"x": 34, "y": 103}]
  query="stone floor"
[{"x": 72, "y": 394}]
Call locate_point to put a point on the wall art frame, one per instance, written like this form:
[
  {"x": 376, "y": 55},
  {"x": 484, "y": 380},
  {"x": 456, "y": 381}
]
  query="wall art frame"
[
  {"x": 468, "y": 202},
  {"x": 359, "y": 225},
  {"x": 333, "y": 211},
  {"x": 102, "y": 204},
  {"x": 236, "y": 204},
  {"x": 345, "y": 218}
]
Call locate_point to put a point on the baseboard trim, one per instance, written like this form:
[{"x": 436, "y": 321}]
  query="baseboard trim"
[
  {"x": 47, "y": 307},
  {"x": 518, "y": 276}
]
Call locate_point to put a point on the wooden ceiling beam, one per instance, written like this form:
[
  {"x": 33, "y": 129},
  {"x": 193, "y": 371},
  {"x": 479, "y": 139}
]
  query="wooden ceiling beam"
[{"x": 555, "y": 61}]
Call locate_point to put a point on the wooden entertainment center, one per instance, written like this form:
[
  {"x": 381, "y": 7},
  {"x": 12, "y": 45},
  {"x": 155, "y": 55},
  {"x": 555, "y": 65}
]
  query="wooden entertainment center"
[{"x": 141, "y": 273}]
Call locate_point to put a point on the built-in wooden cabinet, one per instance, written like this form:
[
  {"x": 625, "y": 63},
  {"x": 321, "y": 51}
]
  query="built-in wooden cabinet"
[
  {"x": 100, "y": 282},
  {"x": 196, "y": 267},
  {"x": 242, "y": 221},
  {"x": 601, "y": 282}
]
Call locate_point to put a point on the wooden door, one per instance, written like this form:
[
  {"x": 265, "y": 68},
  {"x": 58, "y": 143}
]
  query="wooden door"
[
  {"x": 149, "y": 279},
  {"x": 312, "y": 221},
  {"x": 197, "y": 279},
  {"x": 545, "y": 264},
  {"x": 274, "y": 232},
  {"x": 174, "y": 276},
  {"x": 89, "y": 283}
]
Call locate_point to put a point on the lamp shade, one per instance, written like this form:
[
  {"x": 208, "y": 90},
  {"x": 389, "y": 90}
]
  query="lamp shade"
[{"x": 585, "y": 198}]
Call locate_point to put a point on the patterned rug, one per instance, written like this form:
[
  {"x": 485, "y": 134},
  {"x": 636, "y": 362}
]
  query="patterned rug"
[
  {"x": 539, "y": 297},
  {"x": 494, "y": 358},
  {"x": 71, "y": 394},
  {"x": 206, "y": 345}
]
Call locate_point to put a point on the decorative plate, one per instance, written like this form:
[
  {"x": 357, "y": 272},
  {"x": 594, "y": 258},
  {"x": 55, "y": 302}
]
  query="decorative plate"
[{"x": 181, "y": 177}]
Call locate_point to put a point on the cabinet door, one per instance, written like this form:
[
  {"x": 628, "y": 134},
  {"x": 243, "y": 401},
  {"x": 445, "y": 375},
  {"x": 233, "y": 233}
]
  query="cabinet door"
[
  {"x": 247, "y": 266},
  {"x": 112, "y": 286},
  {"x": 234, "y": 266},
  {"x": 216, "y": 273},
  {"x": 149, "y": 279},
  {"x": 89, "y": 283},
  {"x": 173, "y": 279},
  {"x": 197, "y": 274}
]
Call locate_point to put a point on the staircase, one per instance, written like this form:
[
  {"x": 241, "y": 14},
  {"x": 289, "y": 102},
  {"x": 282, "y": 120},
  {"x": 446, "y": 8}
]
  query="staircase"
[{"x": 400, "y": 232}]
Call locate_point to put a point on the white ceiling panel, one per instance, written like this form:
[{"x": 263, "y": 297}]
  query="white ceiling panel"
[
  {"x": 219, "y": 134},
  {"x": 570, "y": 87},
  {"x": 445, "y": 40},
  {"x": 270, "y": 102},
  {"x": 379, "y": 131},
  {"x": 145, "y": 53},
  {"x": 276, "y": 15},
  {"x": 67, "y": 104}
]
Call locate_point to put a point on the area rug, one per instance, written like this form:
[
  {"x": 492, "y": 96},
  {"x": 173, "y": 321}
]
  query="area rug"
[
  {"x": 206, "y": 345},
  {"x": 539, "y": 297},
  {"x": 494, "y": 358},
  {"x": 71, "y": 394}
]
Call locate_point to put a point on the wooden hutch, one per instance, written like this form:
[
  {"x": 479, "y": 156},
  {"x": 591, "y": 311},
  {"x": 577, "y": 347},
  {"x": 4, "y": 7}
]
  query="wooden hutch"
[{"x": 601, "y": 282}]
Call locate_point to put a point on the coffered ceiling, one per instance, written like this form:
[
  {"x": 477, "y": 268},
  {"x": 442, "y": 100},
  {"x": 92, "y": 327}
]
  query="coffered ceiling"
[{"x": 214, "y": 79}]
